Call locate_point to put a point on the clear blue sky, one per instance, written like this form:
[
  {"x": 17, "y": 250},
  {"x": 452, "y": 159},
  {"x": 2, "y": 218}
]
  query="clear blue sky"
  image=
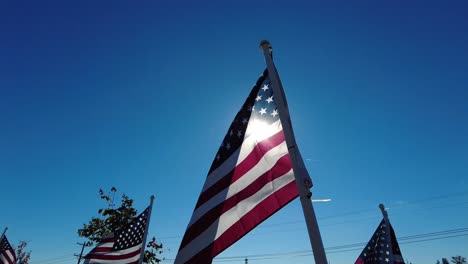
[{"x": 139, "y": 94}]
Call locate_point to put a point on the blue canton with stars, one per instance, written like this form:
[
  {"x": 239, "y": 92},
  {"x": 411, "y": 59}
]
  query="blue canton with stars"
[
  {"x": 378, "y": 250},
  {"x": 259, "y": 105},
  {"x": 4, "y": 245},
  {"x": 133, "y": 233}
]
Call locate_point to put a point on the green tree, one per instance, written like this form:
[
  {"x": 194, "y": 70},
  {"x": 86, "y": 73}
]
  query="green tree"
[
  {"x": 445, "y": 261},
  {"x": 22, "y": 256},
  {"x": 458, "y": 260},
  {"x": 113, "y": 218}
]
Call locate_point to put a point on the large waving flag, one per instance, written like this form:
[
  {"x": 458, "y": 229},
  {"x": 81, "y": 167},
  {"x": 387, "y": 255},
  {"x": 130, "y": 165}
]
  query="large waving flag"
[
  {"x": 250, "y": 179},
  {"x": 124, "y": 246},
  {"x": 7, "y": 253}
]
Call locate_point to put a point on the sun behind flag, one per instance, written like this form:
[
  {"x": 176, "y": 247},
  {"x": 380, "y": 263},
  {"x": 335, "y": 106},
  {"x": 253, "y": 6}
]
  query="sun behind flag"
[
  {"x": 250, "y": 179},
  {"x": 7, "y": 253},
  {"x": 125, "y": 245}
]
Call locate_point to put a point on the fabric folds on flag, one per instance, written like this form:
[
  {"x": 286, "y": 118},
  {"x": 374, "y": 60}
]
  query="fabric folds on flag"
[
  {"x": 123, "y": 246},
  {"x": 250, "y": 179},
  {"x": 382, "y": 248},
  {"x": 7, "y": 253}
]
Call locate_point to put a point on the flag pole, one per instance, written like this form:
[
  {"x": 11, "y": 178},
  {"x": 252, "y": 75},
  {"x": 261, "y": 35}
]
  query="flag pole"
[
  {"x": 3, "y": 234},
  {"x": 300, "y": 172},
  {"x": 143, "y": 246},
  {"x": 387, "y": 229}
]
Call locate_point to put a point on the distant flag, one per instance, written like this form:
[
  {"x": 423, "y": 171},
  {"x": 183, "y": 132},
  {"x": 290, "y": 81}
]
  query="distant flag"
[
  {"x": 124, "y": 246},
  {"x": 250, "y": 179},
  {"x": 7, "y": 253},
  {"x": 383, "y": 247}
]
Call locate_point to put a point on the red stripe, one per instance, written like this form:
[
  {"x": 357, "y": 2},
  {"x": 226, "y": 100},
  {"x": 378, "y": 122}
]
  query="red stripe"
[
  {"x": 262, "y": 211},
  {"x": 246, "y": 165},
  {"x": 102, "y": 249},
  {"x": 7, "y": 257},
  {"x": 281, "y": 167},
  {"x": 8, "y": 249},
  {"x": 112, "y": 257}
]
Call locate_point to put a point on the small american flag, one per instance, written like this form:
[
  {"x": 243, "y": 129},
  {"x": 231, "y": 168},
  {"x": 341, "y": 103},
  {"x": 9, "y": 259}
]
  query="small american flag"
[
  {"x": 124, "y": 246},
  {"x": 383, "y": 247},
  {"x": 7, "y": 253},
  {"x": 250, "y": 179}
]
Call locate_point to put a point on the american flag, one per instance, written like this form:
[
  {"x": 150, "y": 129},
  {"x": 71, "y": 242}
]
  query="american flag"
[
  {"x": 250, "y": 179},
  {"x": 124, "y": 246},
  {"x": 7, "y": 253},
  {"x": 383, "y": 247}
]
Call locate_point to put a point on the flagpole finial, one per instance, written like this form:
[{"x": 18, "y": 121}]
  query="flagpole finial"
[
  {"x": 4, "y": 231},
  {"x": 382, "y": 208},
  {"x": 265, "y": 44},
  {"x": 266, "y": 48}
]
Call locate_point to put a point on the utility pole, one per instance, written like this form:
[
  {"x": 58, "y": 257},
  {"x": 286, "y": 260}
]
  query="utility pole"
[{"x": 82, "y": 249}]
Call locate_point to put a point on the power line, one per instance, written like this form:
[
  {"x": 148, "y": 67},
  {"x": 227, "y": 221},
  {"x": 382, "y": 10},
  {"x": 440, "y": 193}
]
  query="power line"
[
  {"x": 395, "y": 205},
  {"x": 418, "y": 238},
  {"x": 361, "y": 212}
]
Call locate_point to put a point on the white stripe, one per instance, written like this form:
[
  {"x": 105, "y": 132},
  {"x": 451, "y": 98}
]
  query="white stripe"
[
  {"x": 123, "y": 261},
  {"x": 238, "y": 156},
  {"x": 230, "y": 217},
  {"x": 116, "y": 253},
  {"x": 105, "y": 245},
  {"x": 120, "y": 252},
  {"x": 7, "y": 256},
  {"x": 264, "y": 164}
]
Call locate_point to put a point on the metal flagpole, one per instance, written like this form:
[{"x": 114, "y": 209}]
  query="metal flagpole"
[
  {"x": 387, "y": 230},
  {"x": 143, "y": 246},
  {"x": 300, "y": 172}
]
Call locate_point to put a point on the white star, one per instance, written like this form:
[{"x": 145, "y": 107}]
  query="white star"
[
  {"x": 218, "y": 157},
  {"x": 239, "y": 133},
  {"x": 244, "y": 121},
  {"x": 231, "y": 133},
  {"x": 228, "y": 146},
  {"x": 270, "y": 99},
  {"x": 386, "y": 252},
  {"x": 265, "y": 87},
  {"x": 259, "y": 97},
  {"x": 274, "y": 113},
  {"x": 263, "y": 111},
  {"x": 387, "y": 260}
]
